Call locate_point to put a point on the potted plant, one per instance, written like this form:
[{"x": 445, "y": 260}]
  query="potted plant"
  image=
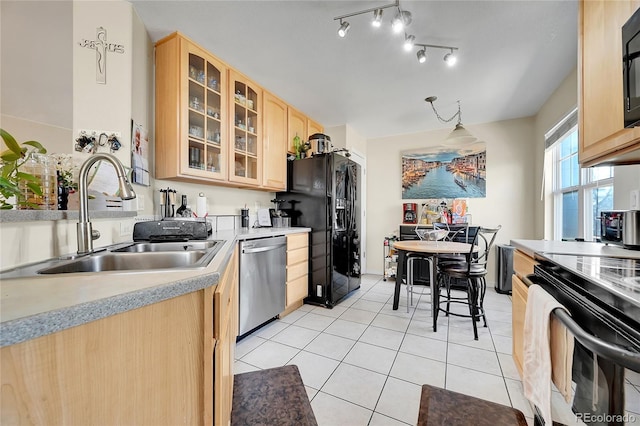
[{"x": 12, "y": 179}]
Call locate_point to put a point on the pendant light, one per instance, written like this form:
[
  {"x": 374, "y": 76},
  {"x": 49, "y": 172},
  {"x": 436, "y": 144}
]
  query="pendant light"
[{"x": 459, "y": 135}]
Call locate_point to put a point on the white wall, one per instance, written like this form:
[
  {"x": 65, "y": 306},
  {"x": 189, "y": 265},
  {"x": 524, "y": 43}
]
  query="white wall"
[{"x": 510, "y": 179}]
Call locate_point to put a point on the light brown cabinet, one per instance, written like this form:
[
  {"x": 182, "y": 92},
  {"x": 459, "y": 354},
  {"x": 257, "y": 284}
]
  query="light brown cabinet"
[
  {"x": 297, "y": 270},
  {"x": 313, "y": 127},
  {"x": 301, "y": 125},
  {"x": 154, "y": 365},
  {"x": 214, "y": 125},
  {"x": 274, "y": 149},
  {"x": 602, "y": 136},
  {"x": 191, "y": 112},
  {"x": 226, "y": 331},
  {"x": 246, "y": 124},
  {"x": 522, "y": 266}
]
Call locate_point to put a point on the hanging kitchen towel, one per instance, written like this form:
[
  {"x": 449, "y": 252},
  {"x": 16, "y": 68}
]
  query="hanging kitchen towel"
[{"x": 537, "y": 362}]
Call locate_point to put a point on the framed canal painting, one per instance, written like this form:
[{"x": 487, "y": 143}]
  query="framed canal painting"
[{"x": 445, "y": 172}]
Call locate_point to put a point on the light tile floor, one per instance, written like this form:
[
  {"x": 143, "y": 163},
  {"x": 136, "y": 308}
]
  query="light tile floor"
[{"x": 363, "y": 363}]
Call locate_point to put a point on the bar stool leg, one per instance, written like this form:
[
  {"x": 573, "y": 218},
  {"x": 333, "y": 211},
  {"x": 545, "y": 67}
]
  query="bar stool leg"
[{"x": 409, "y": 282}]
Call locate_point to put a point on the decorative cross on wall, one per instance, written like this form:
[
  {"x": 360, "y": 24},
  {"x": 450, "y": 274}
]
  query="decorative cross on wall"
[{"x": 101, "y": 47}]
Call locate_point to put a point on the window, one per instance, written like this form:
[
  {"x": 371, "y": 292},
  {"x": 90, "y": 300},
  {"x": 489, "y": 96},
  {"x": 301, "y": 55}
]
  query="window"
[{"x": 579, "y": 194}]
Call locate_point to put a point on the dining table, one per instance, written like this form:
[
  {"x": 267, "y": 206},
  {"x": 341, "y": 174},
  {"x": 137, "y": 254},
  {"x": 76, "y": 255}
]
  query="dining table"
[{"x": 431, "y": 250}]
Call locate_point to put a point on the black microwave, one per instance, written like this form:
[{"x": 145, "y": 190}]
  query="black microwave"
[{"x": 631, "y": 70}]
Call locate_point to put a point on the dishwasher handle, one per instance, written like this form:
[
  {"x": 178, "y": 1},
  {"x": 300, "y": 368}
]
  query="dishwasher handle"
[{"x": 252, "y": 249}]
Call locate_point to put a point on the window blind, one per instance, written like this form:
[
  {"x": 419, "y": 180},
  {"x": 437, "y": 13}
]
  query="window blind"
[{"x": 561, "y": 129}]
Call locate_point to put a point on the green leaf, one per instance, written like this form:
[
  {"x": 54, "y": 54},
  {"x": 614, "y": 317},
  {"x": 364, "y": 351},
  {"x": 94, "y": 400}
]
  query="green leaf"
[
  {"x": 35, "y": 188},
  {"x": 26, "y": 176},
  {"x": 9, "y": 156},
  {"x": 10, "y": 142},
  {"x": 41, "y": 149}
]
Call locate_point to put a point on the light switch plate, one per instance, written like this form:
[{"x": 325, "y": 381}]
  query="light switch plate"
[
  {"x": 634, "y": 200},
  {"x": 140, "y": 198}
]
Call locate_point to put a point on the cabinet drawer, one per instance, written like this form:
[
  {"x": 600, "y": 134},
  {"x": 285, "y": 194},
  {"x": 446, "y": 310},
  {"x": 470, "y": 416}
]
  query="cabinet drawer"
[
  {"x": 523, "y": 264},
  {"x": 297, "y": 270},
  {"x": 297, "y": 255},
  {"x": 297, "y": 289},
  {"x": 295, "y": 241}
]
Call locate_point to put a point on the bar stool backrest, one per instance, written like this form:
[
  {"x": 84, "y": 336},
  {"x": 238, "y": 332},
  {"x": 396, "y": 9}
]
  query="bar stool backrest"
[
  {"x": 460, "y": 233},
  {"x": 486, "y": 238}
]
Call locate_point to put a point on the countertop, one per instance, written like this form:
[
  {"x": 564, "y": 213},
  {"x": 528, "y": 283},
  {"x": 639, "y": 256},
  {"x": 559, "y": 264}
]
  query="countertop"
[
  {"x": 530, "y": 247},
  {"x": 39, "y": 305}
]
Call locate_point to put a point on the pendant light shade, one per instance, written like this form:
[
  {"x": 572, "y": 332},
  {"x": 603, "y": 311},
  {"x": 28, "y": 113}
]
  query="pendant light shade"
[{"x": 460, "y": 136}]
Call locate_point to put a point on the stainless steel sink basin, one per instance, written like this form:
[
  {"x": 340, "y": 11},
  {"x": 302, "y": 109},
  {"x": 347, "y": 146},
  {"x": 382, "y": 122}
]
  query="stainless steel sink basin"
[
  {"x": 129, "y": 261},
  {"x": 143, "y": 247}
]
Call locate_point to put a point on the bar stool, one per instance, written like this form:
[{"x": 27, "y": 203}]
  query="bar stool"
[
  {"x": 473, "y": 271},
  {"x": 411, "y": 258}
]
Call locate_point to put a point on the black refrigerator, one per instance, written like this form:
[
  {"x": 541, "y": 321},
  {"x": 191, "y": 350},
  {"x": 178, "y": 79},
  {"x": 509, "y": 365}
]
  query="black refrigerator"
[{"x": 323, "y": 193}]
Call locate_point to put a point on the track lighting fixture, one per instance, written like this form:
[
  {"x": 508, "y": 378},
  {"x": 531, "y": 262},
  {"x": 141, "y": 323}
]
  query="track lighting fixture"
[
  {"x": 344, "y": 28},
  {"x": 459, "y": 135},
  {"x": 377, "y": 18},
  {"x": 401, "y": 20},
  {"x": 422, "y": 56},
  {"x": 449, "y": 58},
  {"x": 409, "y": 40}
]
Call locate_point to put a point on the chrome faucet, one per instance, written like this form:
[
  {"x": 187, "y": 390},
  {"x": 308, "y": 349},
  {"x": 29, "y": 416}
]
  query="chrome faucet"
[{"x": 86, "y": 234}]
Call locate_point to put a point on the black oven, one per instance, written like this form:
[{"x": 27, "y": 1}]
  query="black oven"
[
  {"x": 602, "y": 295},
  {"x": 631, "y": 69}
]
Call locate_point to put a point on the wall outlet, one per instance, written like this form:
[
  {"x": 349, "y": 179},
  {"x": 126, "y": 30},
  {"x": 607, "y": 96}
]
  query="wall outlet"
[
  {"x": 126, "y": 229},
  {"x": 140, "y": 199}
]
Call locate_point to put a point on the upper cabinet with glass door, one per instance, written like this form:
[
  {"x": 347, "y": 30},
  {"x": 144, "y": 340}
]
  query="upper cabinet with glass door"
[
  {"x": 191, "y": 138},
  {"x": 245, "y": 164}
]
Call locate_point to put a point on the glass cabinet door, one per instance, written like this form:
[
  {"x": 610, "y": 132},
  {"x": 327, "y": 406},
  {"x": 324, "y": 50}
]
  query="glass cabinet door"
[
  {"x": 246, "y": 110},
  {"x": 206, "y": 112}
]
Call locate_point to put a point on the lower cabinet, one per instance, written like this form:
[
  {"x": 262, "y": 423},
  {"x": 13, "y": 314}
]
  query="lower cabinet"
[
  {"x": 226, "y": 331},
  {"x": 519, "y": 306},
  {"x": 169, "y": 363},
  {"x": 522, "y": 266},
  {"x": 297, "y": 270}
]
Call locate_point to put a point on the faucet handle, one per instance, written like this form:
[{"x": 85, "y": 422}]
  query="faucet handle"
[{"x": 95, "y": 234}]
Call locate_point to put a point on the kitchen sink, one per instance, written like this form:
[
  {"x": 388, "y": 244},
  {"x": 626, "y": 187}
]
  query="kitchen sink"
[
  {"x": 142, "y": 247},
  {"x": 139, "y": 256},
  {"x": 110, "y": 261}
]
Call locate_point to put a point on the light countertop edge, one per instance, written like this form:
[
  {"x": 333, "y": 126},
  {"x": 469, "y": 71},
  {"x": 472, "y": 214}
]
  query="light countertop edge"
[
  {"x": 587, "y": 248},
  {"x": 37, "y": 324}
]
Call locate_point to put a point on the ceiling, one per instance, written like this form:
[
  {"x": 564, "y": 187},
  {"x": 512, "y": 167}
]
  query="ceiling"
[{"x": 512, "y": 56}]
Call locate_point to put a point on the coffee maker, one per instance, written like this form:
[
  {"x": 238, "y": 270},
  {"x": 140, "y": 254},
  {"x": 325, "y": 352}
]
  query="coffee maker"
[{"x": 409, "y": 213}]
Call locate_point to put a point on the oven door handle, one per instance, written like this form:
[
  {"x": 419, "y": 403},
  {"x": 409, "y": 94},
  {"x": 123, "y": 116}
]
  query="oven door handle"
[{"x": 616, "y": 353}]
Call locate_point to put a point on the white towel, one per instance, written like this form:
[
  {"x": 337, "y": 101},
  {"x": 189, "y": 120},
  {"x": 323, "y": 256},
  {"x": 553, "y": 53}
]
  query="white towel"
[{"x": 537, "y": 358}]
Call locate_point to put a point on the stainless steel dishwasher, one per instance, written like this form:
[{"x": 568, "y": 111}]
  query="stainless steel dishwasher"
[{"x": 263, "y": 274}]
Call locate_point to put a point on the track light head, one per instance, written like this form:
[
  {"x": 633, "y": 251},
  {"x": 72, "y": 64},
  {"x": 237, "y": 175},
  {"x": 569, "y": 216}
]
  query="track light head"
[
  {"x": 401, "y": 21},
  {"x": 409, "y": 41},
  {"x": 450, "y": 58},
  {"x": 422, "y": 56},
  {"x": 344, "y": 28},
  {"x": 377, "y": 18}
]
